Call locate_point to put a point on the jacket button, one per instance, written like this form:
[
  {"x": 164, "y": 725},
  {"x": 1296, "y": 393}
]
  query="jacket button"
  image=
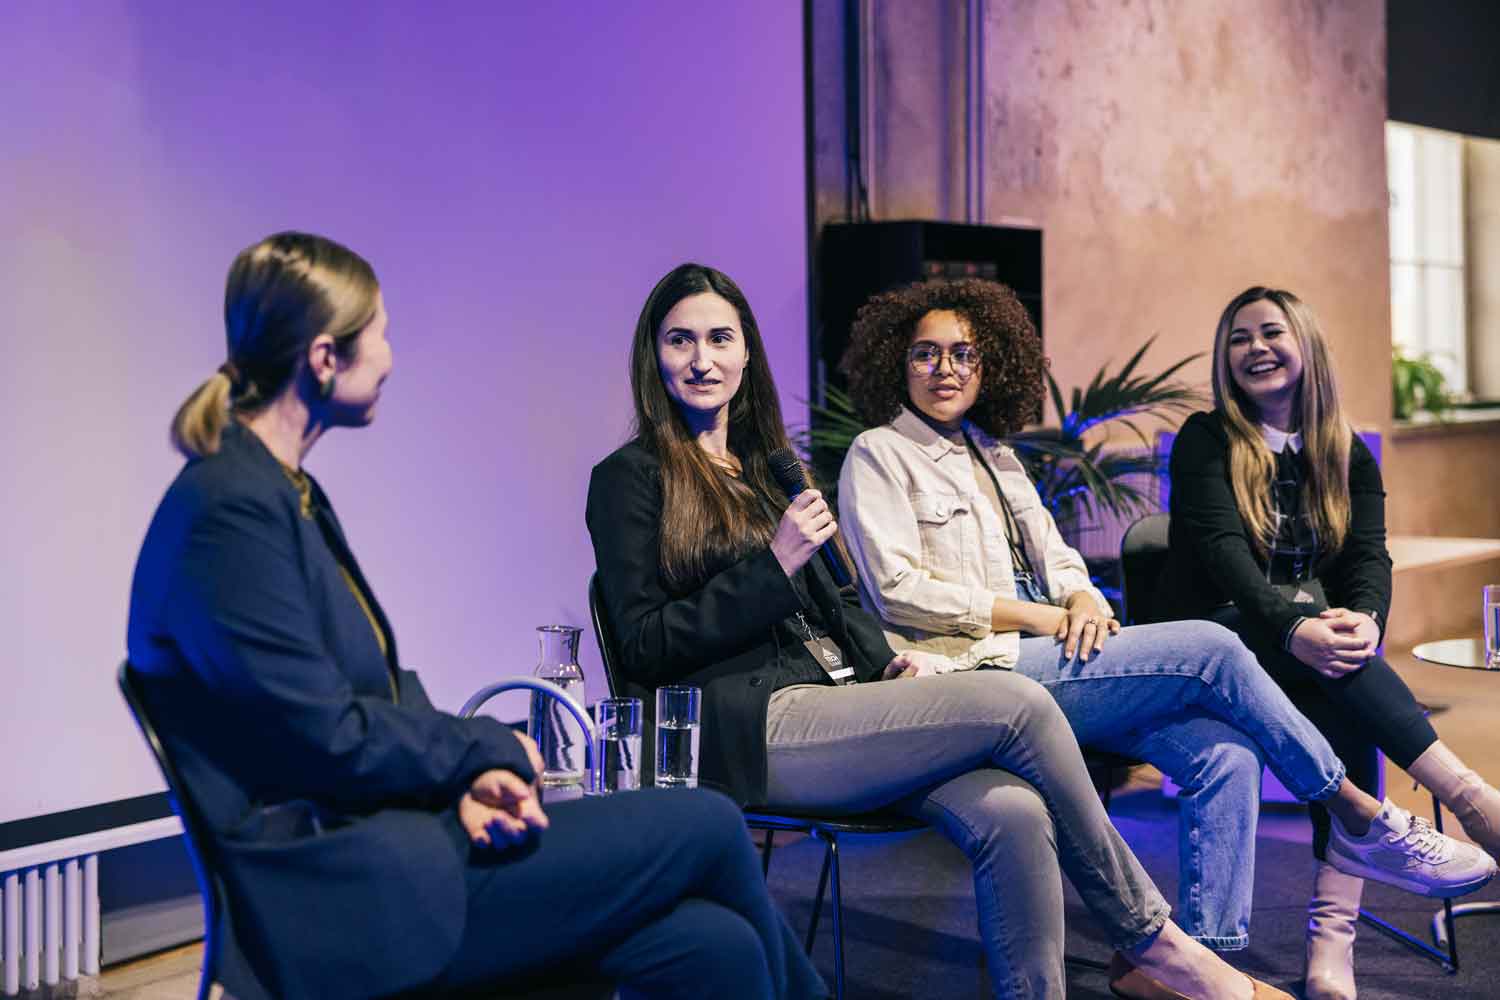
[{"x": 755, "y": 681}]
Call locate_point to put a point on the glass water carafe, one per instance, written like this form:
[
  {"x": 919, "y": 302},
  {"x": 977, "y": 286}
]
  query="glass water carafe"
[{"x": 557, "y": 733}]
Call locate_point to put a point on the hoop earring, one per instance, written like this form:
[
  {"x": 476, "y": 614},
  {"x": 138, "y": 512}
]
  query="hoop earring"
[{"x": 325, "y": 388}]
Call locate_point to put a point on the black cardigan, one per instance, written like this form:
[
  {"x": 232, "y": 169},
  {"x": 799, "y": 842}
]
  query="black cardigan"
[
  {"x": 720, "y": 636},
  {"x": 1211, "y": 563}
]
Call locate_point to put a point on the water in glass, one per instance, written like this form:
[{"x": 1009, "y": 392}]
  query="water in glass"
[
  {"x": 677, "y": 755},
  {"x": 1492, "y": 626}
]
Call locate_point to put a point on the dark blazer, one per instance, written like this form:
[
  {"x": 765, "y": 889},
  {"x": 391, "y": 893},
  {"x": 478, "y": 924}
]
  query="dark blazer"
[
  {"x": 1211, "y": 562},
  {"x": 719, "y": 636},
  {"x": 318, "y": 761}
]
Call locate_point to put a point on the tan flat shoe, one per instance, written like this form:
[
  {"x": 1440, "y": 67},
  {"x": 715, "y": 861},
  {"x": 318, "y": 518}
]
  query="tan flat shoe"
[{"x": 1130, "y": 983}]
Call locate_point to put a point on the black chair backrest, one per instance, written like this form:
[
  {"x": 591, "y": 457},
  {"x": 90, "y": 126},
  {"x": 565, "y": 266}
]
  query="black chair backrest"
[
  {"x": 1143, "y": 556},
  {"x": 198, "y": 834},
  {"x": 605, "y": 637}
]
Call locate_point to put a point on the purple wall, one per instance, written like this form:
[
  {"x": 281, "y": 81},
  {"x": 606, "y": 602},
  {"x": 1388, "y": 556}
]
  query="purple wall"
[{"x": 519, "y": 176}]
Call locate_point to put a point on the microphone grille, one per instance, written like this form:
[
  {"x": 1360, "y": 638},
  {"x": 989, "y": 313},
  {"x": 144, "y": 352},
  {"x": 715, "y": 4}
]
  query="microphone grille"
[{"x": 787, "y": 471}]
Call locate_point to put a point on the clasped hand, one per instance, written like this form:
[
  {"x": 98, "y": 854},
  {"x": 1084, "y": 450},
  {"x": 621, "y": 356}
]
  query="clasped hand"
[
  {"x": 500, "y": 808},
  {"x": 1082, "y": 626},
  {"x": 1335, "y": 643}
]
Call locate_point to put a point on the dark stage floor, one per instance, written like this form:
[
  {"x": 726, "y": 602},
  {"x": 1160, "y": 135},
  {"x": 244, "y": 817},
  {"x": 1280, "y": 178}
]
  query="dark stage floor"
[{"x": 910, "y": 924}]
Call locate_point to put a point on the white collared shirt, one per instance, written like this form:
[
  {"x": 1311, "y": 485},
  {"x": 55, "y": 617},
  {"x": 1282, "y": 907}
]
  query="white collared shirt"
[
  {"x": 1278, "y": 441},
  {"x": 930, "y": 547}
]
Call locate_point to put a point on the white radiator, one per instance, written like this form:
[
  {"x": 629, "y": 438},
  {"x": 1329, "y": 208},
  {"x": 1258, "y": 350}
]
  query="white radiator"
[
  {"x": 49, "y": 923},
  {"x": 49, "y": 906}
]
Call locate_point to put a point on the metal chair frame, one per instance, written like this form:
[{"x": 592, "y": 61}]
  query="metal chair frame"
[{"x": 198, "y": 837}]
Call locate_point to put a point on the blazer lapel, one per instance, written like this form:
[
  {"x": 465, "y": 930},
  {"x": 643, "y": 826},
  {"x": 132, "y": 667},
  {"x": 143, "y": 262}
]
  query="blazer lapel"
[{"x": 333, "y": 534}]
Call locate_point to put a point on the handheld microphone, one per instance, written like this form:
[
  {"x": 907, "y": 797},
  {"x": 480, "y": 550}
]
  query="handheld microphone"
[{"x": 792, "y": 480}]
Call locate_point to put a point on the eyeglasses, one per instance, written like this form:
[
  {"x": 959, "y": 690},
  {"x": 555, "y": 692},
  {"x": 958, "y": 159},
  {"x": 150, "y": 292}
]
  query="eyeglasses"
[{"x": 926, "y": 359}]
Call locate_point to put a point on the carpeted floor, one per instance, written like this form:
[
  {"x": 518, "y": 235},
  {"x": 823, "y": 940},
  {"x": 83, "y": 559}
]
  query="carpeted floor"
[{"x": 910, "y": 924}]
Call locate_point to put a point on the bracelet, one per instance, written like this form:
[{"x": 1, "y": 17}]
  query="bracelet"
[{"x": 1291, "y": 630}]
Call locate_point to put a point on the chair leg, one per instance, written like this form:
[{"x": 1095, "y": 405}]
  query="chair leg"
[
  {"x": 838, "y": 920},
  {"x": 812, "y": 927},
  {"x": 765, "y": 853},
  {"x": 210, "y": 970},
  {"x": 1447, "y": 924},
  {"x": 1446, "y": 952}
]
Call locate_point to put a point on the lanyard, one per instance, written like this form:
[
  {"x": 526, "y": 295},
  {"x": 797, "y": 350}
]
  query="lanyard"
[{"x": 1020, "y": 561}]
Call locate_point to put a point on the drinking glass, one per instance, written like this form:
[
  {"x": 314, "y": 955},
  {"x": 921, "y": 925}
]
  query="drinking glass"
[
  {"x": 617, "y": 746},
  {"x": 1492, "y": 626},
  {"x": 677, "y": 730}
]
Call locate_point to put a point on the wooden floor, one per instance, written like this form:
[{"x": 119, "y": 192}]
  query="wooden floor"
[{"x": 168, "y": 975}]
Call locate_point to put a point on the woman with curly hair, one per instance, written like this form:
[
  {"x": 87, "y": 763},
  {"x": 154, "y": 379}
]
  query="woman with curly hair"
[
  {"x": 1278, "y": 532},
  {"x": 707, "y": 574},
  {"x": 958, "y": 556}
]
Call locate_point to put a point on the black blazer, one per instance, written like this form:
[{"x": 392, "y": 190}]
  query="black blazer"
[
  {"x": 720, "y": 636},
  {"x": 286, "y": 719},
  {"x": 1211, "y": 563}
]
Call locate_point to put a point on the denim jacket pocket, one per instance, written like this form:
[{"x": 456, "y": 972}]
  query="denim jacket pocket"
[{"x": 945, "y": 525}]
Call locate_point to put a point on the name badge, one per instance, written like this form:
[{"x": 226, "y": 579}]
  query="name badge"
[{"x": 830, "y": 659}]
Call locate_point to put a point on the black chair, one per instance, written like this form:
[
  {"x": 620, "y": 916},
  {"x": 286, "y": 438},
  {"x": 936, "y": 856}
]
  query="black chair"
[
  {"x": 1143, "y": 557},
  {"x": 820, "y": 826},
  {"x": 198, "y": 837},
  {"x": 221, "y": 952}
]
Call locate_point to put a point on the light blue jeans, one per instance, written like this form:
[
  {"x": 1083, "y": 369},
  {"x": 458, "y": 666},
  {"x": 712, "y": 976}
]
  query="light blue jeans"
[
  {"x": 1189, "y": 698},
  {"x": 987, "y": 758}
]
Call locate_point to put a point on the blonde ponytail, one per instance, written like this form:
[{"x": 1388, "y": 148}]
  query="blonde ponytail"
[
  {"x": 202, "y": 417},
  {"x": 281, "y": 294}
]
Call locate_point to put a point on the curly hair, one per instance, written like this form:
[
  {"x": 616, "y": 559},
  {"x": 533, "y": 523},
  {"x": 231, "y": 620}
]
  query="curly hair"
[{"x": 1011, "y": 390}]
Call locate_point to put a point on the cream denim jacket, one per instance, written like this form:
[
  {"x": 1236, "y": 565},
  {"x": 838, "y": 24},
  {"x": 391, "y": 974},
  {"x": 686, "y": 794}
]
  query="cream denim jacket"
[{"x": 930, "y": 547}]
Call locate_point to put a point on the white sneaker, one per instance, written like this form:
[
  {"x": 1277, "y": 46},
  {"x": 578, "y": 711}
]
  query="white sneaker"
[{"x": 1405, "y": 851}]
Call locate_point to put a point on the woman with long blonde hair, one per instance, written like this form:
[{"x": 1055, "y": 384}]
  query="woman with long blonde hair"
[{"x": 1278, "y": 532}]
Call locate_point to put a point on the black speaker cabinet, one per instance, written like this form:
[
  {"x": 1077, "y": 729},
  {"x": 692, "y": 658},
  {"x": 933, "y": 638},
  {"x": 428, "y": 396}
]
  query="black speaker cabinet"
[{"x": 860, "y": 259}]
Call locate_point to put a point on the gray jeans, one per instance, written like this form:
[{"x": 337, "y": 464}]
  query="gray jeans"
[{"x": 991, "y": 762}]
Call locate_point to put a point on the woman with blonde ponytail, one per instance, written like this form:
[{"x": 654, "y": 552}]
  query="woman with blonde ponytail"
[
  {"x": 1278, "y": 532},
  {"x": 371, "y": 844}
]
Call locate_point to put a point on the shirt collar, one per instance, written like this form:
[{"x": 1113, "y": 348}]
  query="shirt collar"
[
  {"x": 1278, "y": 441},
  {"x": 926, "y": 437}
]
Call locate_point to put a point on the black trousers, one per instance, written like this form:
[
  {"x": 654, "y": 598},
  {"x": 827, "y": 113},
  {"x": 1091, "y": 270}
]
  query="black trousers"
[
  {"x": 659, "y": 891},
  {"x": 1362, "y": 714}
]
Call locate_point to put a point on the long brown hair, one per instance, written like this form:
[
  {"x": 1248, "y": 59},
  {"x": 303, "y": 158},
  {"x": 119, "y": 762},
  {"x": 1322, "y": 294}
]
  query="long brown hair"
[
  {"x": 1326, "y": 434},
  {"x": 708, "y": 518},
  {"x": 281, "y": 294}
]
